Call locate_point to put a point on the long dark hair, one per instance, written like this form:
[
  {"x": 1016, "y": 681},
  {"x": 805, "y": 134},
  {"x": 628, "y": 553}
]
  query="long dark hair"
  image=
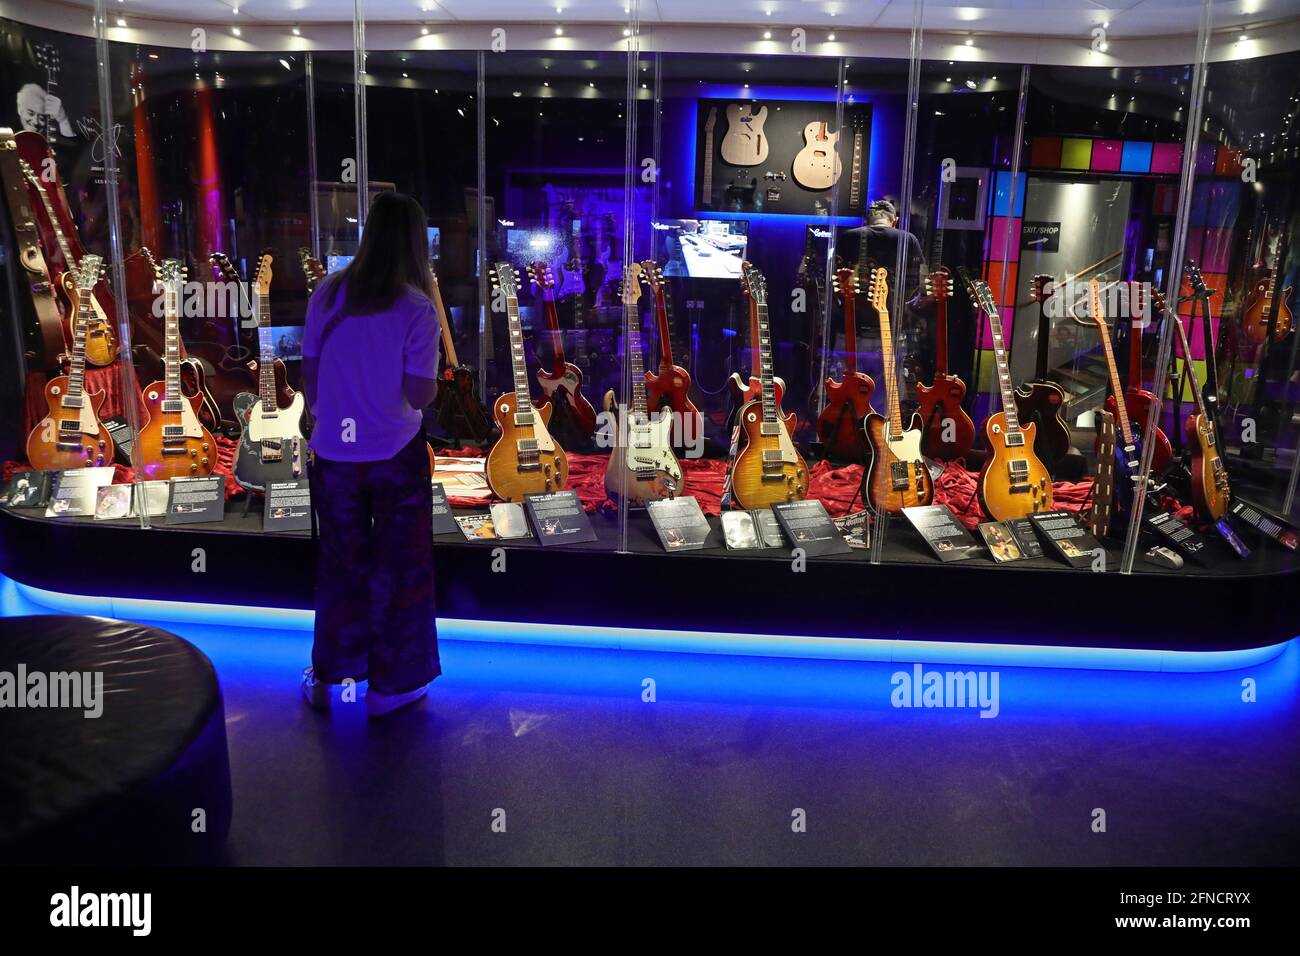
[{"x": 392, "y": 258}]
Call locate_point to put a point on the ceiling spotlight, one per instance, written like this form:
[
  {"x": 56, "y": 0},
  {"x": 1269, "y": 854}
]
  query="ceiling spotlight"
[
  {"x": 830, "y": 37},
  {"x": 767, "y": 34},
  {"x": 297, "y": 32},
  {"x": 406, "y": 76},
  {"x": 121, "y": 22},
  {"x": 970, "y": 84},
  {"x": 970, "y": 41},
  {"x": 517, "y": 93},
  {"x": 592, "y": 85},
  {"x": 546, "y": 83},
  {"x": 235, "y": 30},
  {"x": 235, "y": 10},
  {"x": 768, "y": 12},
  {"x": 424, "y": 31},
  {"x": 1103, "y": 46},
  {"x": 746, "y": 86},
  {"x": 1105, "y": 24},
  {"x": 285, "y": 63},
  {"x": 559, "y": 31},
  {"x": 1243, "y": 38}
]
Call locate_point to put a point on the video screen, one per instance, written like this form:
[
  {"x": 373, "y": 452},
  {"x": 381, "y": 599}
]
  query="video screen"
[
  {"x": 335, "y": 263},
  {"x": 532, "y": 245},
  {"x": 287, "y": 342},
  {"x": 435, "y": 242},
  {"x": 701, "y": 248}
]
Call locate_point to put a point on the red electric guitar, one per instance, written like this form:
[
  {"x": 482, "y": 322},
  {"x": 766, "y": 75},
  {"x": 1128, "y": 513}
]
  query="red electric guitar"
[
  {"x": 949, "y": 432},
  {"x": 564, "y": 378},
  {"x": 670, "y": 387},
  {"x": 848, "y": 402},
  {"x": 1138, "y": 400}
]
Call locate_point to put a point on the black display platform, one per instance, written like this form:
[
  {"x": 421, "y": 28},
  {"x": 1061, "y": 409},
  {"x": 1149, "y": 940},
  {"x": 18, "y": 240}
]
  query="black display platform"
[{"x": 1239, "y": 604}]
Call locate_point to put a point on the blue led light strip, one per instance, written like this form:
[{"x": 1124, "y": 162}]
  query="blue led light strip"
[{"x": 12, "y": 595}]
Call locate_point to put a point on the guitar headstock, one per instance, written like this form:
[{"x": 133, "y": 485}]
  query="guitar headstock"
[
  {"x": 938, "y": 284},
  {"x": 979, "y": 292},
  {"x": 224, "y": 268},
  {"x": 879, "y": 290},
  {"x": 755, "y": 284},
  {"x": 506, "y": 279},
  {"x": 28, "y": 172},
  {"x": 1157, "y": 301},
  {"x": 846, "y": 281},
  {"x": 1195, "y": 280},
  {"x": 262, "y": 277},
  {"x": 632, "y": 283},
  {"x": 543, "y": 280},
  {"x": 89, "y": 272},
  {"x": 1095, "y": 311},
  {"x": 652, "y": 276},
  {"x": 1044, "y": 287},
  {"x": 171, "y": 272}
]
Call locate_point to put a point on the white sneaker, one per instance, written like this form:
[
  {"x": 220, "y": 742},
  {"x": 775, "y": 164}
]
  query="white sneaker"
[
  {"x": 377, "y": 704},
  {"x": 316, "y": 693}
]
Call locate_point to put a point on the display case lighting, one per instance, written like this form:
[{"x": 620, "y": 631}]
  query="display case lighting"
[
  {"x": 767, "y": 34},
  {"x": 121, "y": 21},
  {"x": 297, "y": 31},
  {"x": 235, "y": 30},
  {"x": 559, "y": 31}
]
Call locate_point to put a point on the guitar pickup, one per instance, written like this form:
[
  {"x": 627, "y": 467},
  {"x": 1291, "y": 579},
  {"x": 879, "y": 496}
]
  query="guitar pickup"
[
  {"x": 72, "y": 401},
  {"x": 272, "y": 451},
  {"x": 769, "y": 428},
  {"x": 71, "y": 445},
  {"x": 70, "y": 425},
  {"x": 523, "y": 418},
  {"x": 1015, "y": 439},
  {"x": 171, "y": 405},
  {"x": 173, "y": 431}
]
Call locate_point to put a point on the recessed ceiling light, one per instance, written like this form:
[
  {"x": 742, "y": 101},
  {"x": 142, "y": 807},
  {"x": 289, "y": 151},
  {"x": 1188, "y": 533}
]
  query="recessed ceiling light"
[
  {"x": 592, "y": 85},
  {"x": 406, "y": 76},
  {"x": 121, "y": 22},
  {"x": 1243, "y": 38},
  {"x": 424, "y": 31},
  {"x": 627, "y": 32},
  {"x": 1105, "y": 24},
  {"x": 767, "y": 34},
  {"x": 970, "y": 41},
  {"x": 235, "y": 30},
  {"x": 285, "y": 63},
  {"x": 517, "y": 93},
  {"x": 559, "y": 31},
  {"x": 830, "y": 37},
  {"x": 297, "y": 32}
]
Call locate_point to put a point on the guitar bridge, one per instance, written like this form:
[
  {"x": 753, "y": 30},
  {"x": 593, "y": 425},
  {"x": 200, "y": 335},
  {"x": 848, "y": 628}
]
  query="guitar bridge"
[
  {"x": 272, "y": 451},
  {"x": 898, "y": 477}
]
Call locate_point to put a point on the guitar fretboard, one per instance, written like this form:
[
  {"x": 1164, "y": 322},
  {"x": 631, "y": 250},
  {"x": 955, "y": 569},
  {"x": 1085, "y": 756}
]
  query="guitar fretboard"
[
  {"x": 172, "y": 341},
  {"x": 664, "y": 313},
  {"x": 855, "y": 183},
  {"x": 765, "y": 361},
  {"x": 77, "y": 361},
  {"x": 266, "y": 351},
  {"x": 890, "y": 370},
  {"x": 640, "y": 404},
  {"x": 69, "y": 261},
  {"x": 522, "y": 401},
  {"x": 1003, "y": 368},
  {"x": 1116, "y": 389}
]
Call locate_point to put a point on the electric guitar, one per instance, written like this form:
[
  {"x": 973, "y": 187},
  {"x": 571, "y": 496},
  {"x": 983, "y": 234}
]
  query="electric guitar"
[
  {"x": 949, "y": 432},
  {"x": 1259, "y": 307},
  {"x": 525, "y": 459},
  {"x": 670, "y": 388},
  {"x": 1210, "y": 492},
  {"x": 459, "y": 412},
  {"x": 311, "y": 269},
  {"x": 706, "y": 190},
  {"x": 855, "y": 177},
  {"x": 1138, "y": 400},
  {"x": 173, "y": 443},
  {"x": 271, "y": 442},
  {"x": 1128, "y": 449},
  {"x": 897, "y": 476},
  {"x": 642, "y": 466},
  {"x": 1042, "y": 401},
  {"x": 100, "y": 343},
  {"x": 564, "y": 378},
  {"x": 848, "y": 401},
  {"x": 1013, "y": 482},
  {"x": 234, "y": 368},
  {"x": 1103, "y": 486},
  {"x": 769, "y": 468},
  {"x": 71, "y": 435},
  {"x": 817, "y": 165},
  {"x": 745, "y": 143}
]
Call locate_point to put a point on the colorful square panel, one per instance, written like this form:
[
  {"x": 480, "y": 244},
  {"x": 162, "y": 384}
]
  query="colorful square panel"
[
  {"x": 1167, "y": 158},
  {"x": 1106, "y": 155},
  {"x": 1002, "y": 194},
  {"x": 993, "y": 275},
  {"x": 1205, "y": 157},
  {"x": 1076, "y": 153},
  {"x": 1198, "y": 369},
  {"x": 1136, "y": 158},
  {"x": 1228, "y": 162},
  {"x": 998, "y": 237},
  {"x": 1045, "y": 152},
  {"x": 1165, "y": 200}
]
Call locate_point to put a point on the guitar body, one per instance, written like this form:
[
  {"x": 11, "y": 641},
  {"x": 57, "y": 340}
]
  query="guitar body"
[
  {"x": 817, "y": 165},
  {"x": 744, "y": 393},
  {"x": 1137, "y": 402},
  {"x": 190, "y": 454},
  {"x": 1041, "y": 404},
  {"x": 839, "y": 426},
  {"x": 1254, "y": 319},
  {"x": 670, "y": 389},
  {"x": 1210, "y": 492},
  {"x": 769, "y": 469},
  {"x": 567, "y": 381},
  {"x": 643, "y": 458},
  {"x": 101, "y": 344},
  {"x": 48, "y": 450},
  {"x": 1003, "y": 496},
  {"x": 457, "y": 406},
  {"x": 745, "y": 143},
  {"x": 509, "y": 477},
  {"x": 896, "y": 477},
  {"x": 256, "y": 464},
  {"x": 194, "y": 383},
  {"x": 939, "y": 405}
]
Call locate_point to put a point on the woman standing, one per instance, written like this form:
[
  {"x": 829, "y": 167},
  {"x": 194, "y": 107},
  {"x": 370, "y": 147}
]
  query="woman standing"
[{"x": 370, "y": 364}]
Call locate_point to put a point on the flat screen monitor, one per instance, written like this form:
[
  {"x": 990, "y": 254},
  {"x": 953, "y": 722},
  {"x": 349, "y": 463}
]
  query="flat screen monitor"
[{"x": 701, "y": 248}]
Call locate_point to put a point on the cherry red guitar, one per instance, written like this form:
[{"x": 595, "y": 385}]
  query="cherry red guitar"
[
  {"x": 949, "y": 432},
  {"x": 1138, "y": 400},
  {"x": 670, "y": 387},
  {"x": 848, "y": 401},
  {"x": 564, "y": 380}
]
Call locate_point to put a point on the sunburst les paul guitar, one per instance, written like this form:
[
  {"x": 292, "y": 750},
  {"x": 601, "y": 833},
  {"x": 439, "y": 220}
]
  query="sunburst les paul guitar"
[
  {"x": 848, "y": 401},
  {"x": 897, "y": 476},
  {"x": 174, "y": 443},
  {"x": 71, "y": 434},
  {"x": 1014, "y": 483},
  {"x": 642, "y": 466},
  {"x": 769, "y": 468},
  {"x": 525, "y": 458}
]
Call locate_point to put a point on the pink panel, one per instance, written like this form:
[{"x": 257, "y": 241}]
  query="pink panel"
[
  {"x": 1106, "y": 155},
  {"x": 998, "y": 235},
  {"x": 1196, "y": 337},
  {"x": 1167, "y": 158}
]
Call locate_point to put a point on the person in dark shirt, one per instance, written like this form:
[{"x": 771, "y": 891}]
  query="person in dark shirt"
[{"x": 879, "y": 239}]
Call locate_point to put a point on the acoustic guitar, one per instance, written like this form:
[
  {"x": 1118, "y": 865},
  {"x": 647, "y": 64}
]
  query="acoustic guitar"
[
  {"x": 101, "y": 344},
  {"x": 1138, "y": 400},
  {"x": 456, "y": 405},
  {"x": 1013, "y": 482},
  {"x": 769, "y": 468},
  {"x": 562, "y": 385},
  {"x": 817, "y": 165},
  {"x": 173, "y": 443},
  {"x": 71, "y": 434},
  {"x": 848, "y": 401},
  {"x": 1210, "y": 492},
  {"x": 525, "y": 459},
  {"x": 1041, "y": 402},
  {"x": 949, "y": 432},
  {"x": 670, "y": 387},
  {"x": 896, "y": 475},
  {"x": 642, "y": 466}
]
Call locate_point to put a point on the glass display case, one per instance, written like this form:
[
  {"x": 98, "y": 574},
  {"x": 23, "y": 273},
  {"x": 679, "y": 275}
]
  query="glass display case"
[{"x": 829, "y": 299}]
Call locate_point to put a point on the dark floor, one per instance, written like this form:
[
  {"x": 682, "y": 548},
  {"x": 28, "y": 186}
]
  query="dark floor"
[{"x": 586, "y": 772}]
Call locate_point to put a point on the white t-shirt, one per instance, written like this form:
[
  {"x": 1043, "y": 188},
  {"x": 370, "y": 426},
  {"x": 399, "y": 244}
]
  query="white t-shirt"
[{"x": 361, "y": 412}]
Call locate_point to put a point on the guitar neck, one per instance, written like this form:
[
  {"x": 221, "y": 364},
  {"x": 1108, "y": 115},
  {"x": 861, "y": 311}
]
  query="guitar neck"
[
  {"x": 557, "y": 340},
  {"x": 850, "y": 336},
  {"x": 1117, "y": 390},
  {"x": 70, "y": 261},
  {"x": 1135, "y": 354},
  {"x": 941, "y": 337},
  {"x": 444, "y": 325},
  {"x": 707, "y": 198},
  {"x": 172, "y": 342},
  {"x": 662, "y": 314},
  {"x": 764, "y": 343},
  {"x": 640, "y": 404},
  {"x": 1004, "y": 370},
  {"x": 891, "y": 373},
  {"x": 522, "y": 401},
  {"x": 77, "y": 360},
  {"x": 1044, "y": 341},
  {"x": 855, "y": 183},
  {"x": 266, "y": 351}
]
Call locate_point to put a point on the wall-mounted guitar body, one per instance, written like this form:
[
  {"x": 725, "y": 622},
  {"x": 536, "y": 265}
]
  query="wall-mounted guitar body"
[
  {"x": 745, "y": 143},
  {"x": 817, "y": 165},
  {"x": 173, "y": 443},
  {"x": 71, "y": 435}
]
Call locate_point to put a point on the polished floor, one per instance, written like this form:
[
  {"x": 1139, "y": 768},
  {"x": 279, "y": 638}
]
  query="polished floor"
[{"x": 542, "y": 756}]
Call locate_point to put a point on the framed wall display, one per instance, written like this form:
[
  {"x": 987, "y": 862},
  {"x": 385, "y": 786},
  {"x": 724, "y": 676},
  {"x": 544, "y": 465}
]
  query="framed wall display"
[{"x": 781, "y": 157}]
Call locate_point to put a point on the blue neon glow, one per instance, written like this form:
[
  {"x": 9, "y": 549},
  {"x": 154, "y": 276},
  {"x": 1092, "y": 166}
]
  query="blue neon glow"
[{"x": 17, "y": 598}]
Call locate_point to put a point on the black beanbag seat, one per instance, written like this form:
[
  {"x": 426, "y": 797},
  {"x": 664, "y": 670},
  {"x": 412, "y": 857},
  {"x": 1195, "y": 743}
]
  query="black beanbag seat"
[{"x": 122, "y": 787}]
